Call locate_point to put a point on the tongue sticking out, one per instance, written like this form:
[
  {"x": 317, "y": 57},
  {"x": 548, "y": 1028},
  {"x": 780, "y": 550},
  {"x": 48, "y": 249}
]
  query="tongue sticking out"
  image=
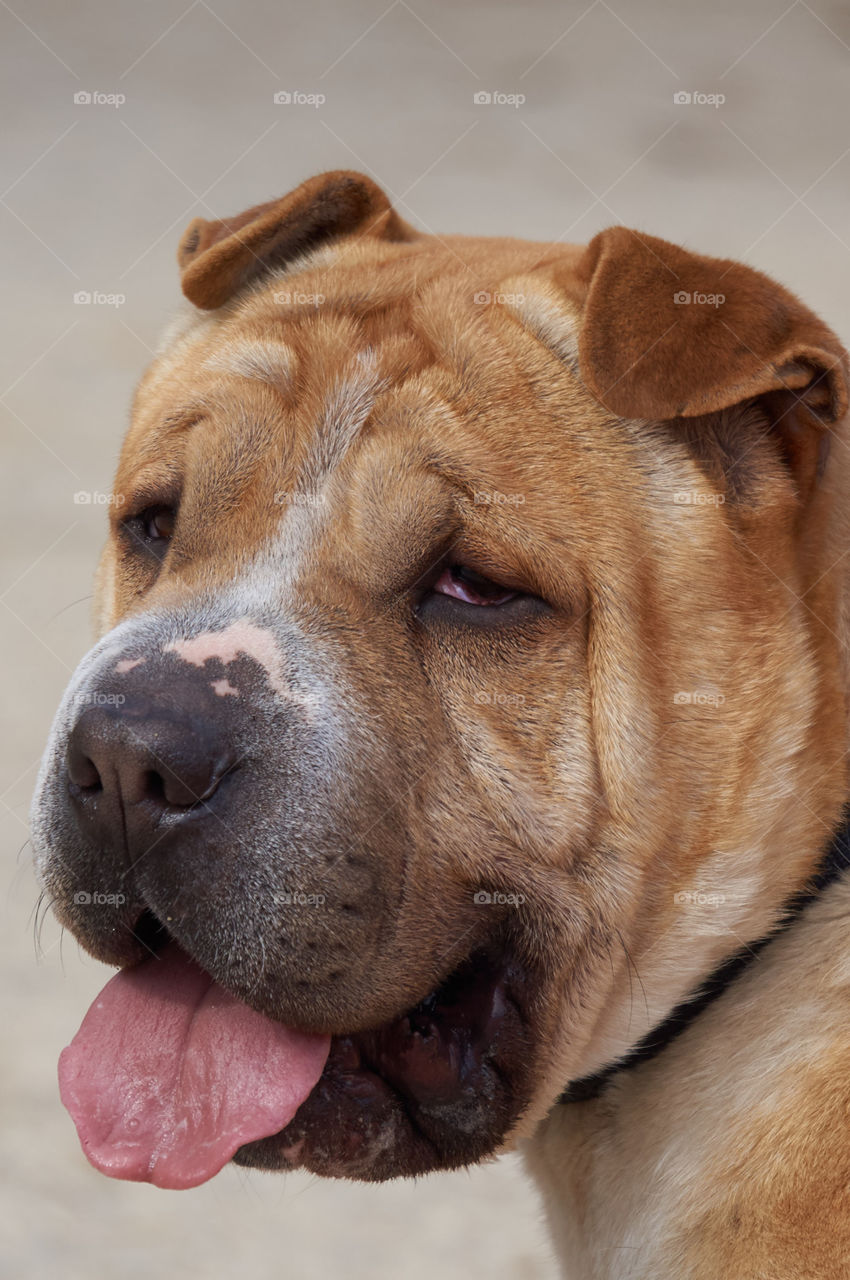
[{"x": 169, "y": 1074}]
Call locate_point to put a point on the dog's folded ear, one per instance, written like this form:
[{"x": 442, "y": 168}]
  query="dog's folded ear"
[
  {"x": 218, "y": 258},
  {"x": 667, "y": 333}
]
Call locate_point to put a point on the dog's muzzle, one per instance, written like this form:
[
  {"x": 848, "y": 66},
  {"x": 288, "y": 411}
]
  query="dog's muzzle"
[
  {"x": 214, "y": 818},
  {"x": 198, "y": 784}
]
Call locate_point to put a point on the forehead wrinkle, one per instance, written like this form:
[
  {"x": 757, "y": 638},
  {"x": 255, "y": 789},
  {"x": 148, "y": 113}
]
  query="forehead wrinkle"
[
  {"x": 340, "y": 418},
  {"x": 261, "y": 359},
  {"x": 156, "y": 444},
  {"x": 343, "y": 414},
  {"x": 325, "y": 256},
  {"x": 183, "y": 420},
  {"x": 547, "y": 319},
  {"x": 187, "y": 328}
]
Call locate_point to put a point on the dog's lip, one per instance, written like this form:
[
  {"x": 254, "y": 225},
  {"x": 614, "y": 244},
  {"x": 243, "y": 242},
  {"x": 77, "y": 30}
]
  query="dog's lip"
[
  {"x": 153, "y": 934},
  {"x": 422, "y": 1070}
]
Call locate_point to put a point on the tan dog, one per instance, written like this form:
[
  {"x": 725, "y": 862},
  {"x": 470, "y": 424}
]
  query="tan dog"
[{"x": 472, "y": 688}]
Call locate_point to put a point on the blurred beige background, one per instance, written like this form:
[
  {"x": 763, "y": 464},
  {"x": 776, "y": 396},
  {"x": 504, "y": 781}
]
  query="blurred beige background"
[{"x": 94, "y": 196}]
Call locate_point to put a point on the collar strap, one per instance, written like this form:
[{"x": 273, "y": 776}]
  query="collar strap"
[{"x": 835, "y": 862}]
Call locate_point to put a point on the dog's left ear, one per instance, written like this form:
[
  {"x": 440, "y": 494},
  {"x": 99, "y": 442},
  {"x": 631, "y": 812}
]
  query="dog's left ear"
[
  {"x": 218, "y": 258},
  {"x": 670, "y": 334}
]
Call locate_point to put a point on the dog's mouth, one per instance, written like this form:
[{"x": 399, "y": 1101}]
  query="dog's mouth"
[
  {"x": 171, "y": 1076},
  {"x": 437, "y": 1088}
]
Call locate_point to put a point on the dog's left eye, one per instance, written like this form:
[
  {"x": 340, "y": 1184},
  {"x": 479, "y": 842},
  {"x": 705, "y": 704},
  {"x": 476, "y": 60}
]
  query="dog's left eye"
[
  {"x": 461, "y": 596},
  {"x": 462, "y": 583},
  {"x": 151, "y": 530}
]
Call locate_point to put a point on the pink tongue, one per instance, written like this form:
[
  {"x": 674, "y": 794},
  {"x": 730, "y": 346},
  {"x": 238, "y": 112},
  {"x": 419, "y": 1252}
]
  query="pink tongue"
[{"x": 169, "y": 1074}]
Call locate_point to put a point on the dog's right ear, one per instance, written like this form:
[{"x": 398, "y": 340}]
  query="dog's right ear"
[{"x": 218, "y": 258}]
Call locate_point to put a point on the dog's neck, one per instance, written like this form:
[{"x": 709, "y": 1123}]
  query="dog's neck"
[
  {"x": 835, "y": 862},
  {"x": 718, "y": 1145}
]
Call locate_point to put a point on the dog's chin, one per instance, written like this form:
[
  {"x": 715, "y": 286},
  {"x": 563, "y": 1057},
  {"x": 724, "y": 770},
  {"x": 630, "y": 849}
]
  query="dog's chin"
[{"x": 438, "y": 1087}]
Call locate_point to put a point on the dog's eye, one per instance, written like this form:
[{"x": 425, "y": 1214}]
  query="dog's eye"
[
  {"x": 158, "y": 523},
  {"x": 460, "y": 596},
  {"x": 473, "y": 588},
  {"x": 152, "y": 529}
]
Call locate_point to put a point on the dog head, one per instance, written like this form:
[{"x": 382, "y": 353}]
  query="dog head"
[{"x": 471, "y": 679}]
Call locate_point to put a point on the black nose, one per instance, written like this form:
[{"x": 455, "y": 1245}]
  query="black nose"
[{"x": 132, "y": 760}]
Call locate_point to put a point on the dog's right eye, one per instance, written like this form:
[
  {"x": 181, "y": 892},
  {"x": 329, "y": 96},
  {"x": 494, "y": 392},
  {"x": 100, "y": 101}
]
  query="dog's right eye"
[
  {"x": 152, "y": 529},
  {"x": 159, "y": 523}
]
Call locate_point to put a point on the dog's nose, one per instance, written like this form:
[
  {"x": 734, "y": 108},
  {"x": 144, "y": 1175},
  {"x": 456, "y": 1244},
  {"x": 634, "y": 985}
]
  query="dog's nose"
[{"x": 130, "y": 761}]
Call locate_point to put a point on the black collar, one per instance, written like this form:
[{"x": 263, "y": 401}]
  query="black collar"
[{"x": 836, "y": 861}]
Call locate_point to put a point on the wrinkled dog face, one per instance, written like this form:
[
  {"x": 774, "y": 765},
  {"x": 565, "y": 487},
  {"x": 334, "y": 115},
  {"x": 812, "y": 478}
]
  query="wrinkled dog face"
[{"x": 446, "y": 652}]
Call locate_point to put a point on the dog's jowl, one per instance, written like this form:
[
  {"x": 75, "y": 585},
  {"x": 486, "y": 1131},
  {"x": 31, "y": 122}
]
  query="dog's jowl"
[{"x": 462, "y": 761}]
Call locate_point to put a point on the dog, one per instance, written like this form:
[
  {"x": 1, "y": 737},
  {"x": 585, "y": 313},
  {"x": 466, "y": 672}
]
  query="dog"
[{"x": 462, "y": 766}]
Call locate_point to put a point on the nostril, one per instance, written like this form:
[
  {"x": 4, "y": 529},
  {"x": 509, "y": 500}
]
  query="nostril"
[
  {"x": 153, "y": 787},
  {"x": 83, "y": 771},
  {"x": 171, "y": 790},
  {"x": 187, "y": 788}
]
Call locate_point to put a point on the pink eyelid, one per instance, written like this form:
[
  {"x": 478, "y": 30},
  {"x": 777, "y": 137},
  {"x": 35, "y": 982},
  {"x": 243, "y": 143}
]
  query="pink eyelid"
[{"x": 448, "y": 585}]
